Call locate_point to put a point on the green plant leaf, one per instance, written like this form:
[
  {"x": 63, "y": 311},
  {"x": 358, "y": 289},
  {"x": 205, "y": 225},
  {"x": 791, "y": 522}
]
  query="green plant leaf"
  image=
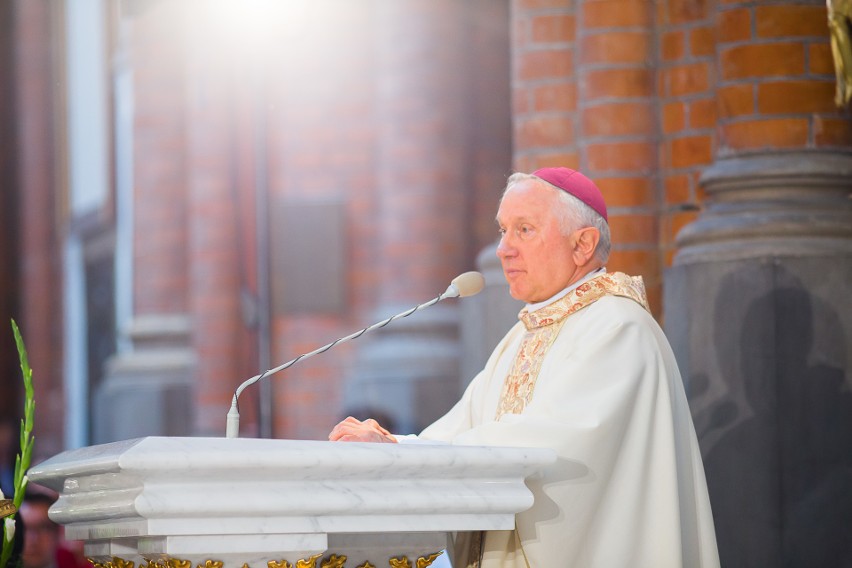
[{"x": 23, "y": 459}]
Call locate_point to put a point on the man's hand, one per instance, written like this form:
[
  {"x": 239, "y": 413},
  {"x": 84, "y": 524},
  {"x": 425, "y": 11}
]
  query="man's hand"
[{"x": 353, "y": 430}]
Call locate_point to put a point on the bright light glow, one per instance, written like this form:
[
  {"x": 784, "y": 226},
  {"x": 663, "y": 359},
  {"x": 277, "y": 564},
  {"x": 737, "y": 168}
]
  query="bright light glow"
[{"x": 253, "y": 28}]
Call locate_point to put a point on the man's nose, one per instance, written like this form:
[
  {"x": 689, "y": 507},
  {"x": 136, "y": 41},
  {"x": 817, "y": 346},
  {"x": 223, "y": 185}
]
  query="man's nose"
[{"x": 505, "y": 247}]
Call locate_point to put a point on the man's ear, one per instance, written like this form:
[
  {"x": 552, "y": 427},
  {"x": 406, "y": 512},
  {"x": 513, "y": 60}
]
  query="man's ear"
[{"x": 586, "y": 241}]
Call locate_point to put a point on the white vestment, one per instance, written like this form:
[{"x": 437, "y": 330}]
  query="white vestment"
[{"x": 609, "y": 399}]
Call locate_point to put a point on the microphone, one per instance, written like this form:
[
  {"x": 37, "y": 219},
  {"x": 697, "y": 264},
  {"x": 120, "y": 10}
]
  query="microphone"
[{"x": 462, "y": 286}]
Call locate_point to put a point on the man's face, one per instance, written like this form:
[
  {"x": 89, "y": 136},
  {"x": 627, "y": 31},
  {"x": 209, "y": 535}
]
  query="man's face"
[
  {"x": 41, "y": 536},
  {"x": 536, "y": 257}
]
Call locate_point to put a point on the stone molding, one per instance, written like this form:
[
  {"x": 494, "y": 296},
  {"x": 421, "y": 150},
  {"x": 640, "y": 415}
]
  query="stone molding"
[{"x": 780, "y": 204}]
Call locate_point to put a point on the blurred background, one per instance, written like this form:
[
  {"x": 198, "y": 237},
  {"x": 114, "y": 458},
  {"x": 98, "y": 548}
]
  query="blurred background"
[{"x": 194, "y": 191}]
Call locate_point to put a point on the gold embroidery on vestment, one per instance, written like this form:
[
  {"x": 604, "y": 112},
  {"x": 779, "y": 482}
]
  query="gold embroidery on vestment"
[{"x": 544, "y": 325}]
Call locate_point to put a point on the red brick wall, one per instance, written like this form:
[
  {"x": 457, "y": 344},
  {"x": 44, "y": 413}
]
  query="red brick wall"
[
  {"x": 686, "y": 84},
  {"x": 544, "y": 84},
  {"x": 419, "y": 196},
  {"x": 193, "y": 196},
  {"x": 322, "y": 146},
  {"x": 420, "y": 150},
  {"x": 776, "y": 79},
  {"x": 635, "y": 95},
  {"x": 583, "y": 86},
  {"x": 405, "y": 135},
  {"x": 642, "y": 96},
  {"x": 216, "y": 192},
  {"x": 643, "y": 100},
  {"x": 619, "y": 131},
  {"x": 160, "y": 217}
]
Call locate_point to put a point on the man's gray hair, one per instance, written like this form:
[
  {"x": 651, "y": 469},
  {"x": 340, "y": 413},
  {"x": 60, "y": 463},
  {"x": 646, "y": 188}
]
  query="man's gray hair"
[{"x": 573, "y": 214}]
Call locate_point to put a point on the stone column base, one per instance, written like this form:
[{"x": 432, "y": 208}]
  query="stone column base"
[
  {"x": 408, "y": 372},
  {"x": 147, "y": 391}
]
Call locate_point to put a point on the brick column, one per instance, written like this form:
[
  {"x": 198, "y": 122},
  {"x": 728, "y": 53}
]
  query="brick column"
[
  {"x": 686, "y": 83},
  {"x": 155, "y": 373},
  {"x": 411, "y": 371},
  {"x": 214, "y": 205},
  {"x": 757, "y": 300},
  {"x": 617, "y": 129},
  {"x": 583, "y": 86},
  {"x": 40, "y": 253},
  {"x": 544, "y": 84}
]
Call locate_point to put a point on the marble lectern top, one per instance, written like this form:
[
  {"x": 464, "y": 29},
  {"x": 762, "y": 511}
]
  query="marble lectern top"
[{"x": 256, "y": 502}]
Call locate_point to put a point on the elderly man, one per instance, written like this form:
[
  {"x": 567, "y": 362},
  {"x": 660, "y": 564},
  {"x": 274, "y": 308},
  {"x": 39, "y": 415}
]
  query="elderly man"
[{"x": 588, "y": 372}]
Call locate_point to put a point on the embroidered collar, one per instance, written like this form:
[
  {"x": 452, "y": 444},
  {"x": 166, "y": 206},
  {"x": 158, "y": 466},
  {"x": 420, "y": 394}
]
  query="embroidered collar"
[{"x": 609, "y": 284}]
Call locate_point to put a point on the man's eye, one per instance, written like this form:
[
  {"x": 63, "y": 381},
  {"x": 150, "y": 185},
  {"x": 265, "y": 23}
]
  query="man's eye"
[{"x": 501, "y": 231}]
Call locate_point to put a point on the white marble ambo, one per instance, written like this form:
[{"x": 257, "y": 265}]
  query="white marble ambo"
[{"x": 250, "y": 501}]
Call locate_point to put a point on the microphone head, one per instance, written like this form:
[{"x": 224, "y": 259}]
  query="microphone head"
[{"x": 469, "y": 283}]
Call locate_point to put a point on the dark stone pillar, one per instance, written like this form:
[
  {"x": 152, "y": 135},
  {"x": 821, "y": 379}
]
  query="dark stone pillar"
[{"x": 759, "y": 313}]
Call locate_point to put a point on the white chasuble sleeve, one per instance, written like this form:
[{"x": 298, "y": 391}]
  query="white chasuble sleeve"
[{"x": 628, "y": 488}]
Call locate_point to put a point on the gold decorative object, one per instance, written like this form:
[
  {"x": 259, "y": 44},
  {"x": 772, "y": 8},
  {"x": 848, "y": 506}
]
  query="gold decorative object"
[
  {"x": 121, "y": 562},
  {"x": 425, "y": 561},
  {"x": 308, "y": 562},
  {"x": 334, "y": 561},
  {"x": 331, "y": 561},
  {"x": 7, "y": 508},
  {"x": 840, "y": 26}
]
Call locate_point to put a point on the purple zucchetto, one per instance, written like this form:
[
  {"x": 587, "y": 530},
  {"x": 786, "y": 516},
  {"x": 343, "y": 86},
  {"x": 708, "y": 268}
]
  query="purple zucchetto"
[{"x": 578, "y": 185}]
